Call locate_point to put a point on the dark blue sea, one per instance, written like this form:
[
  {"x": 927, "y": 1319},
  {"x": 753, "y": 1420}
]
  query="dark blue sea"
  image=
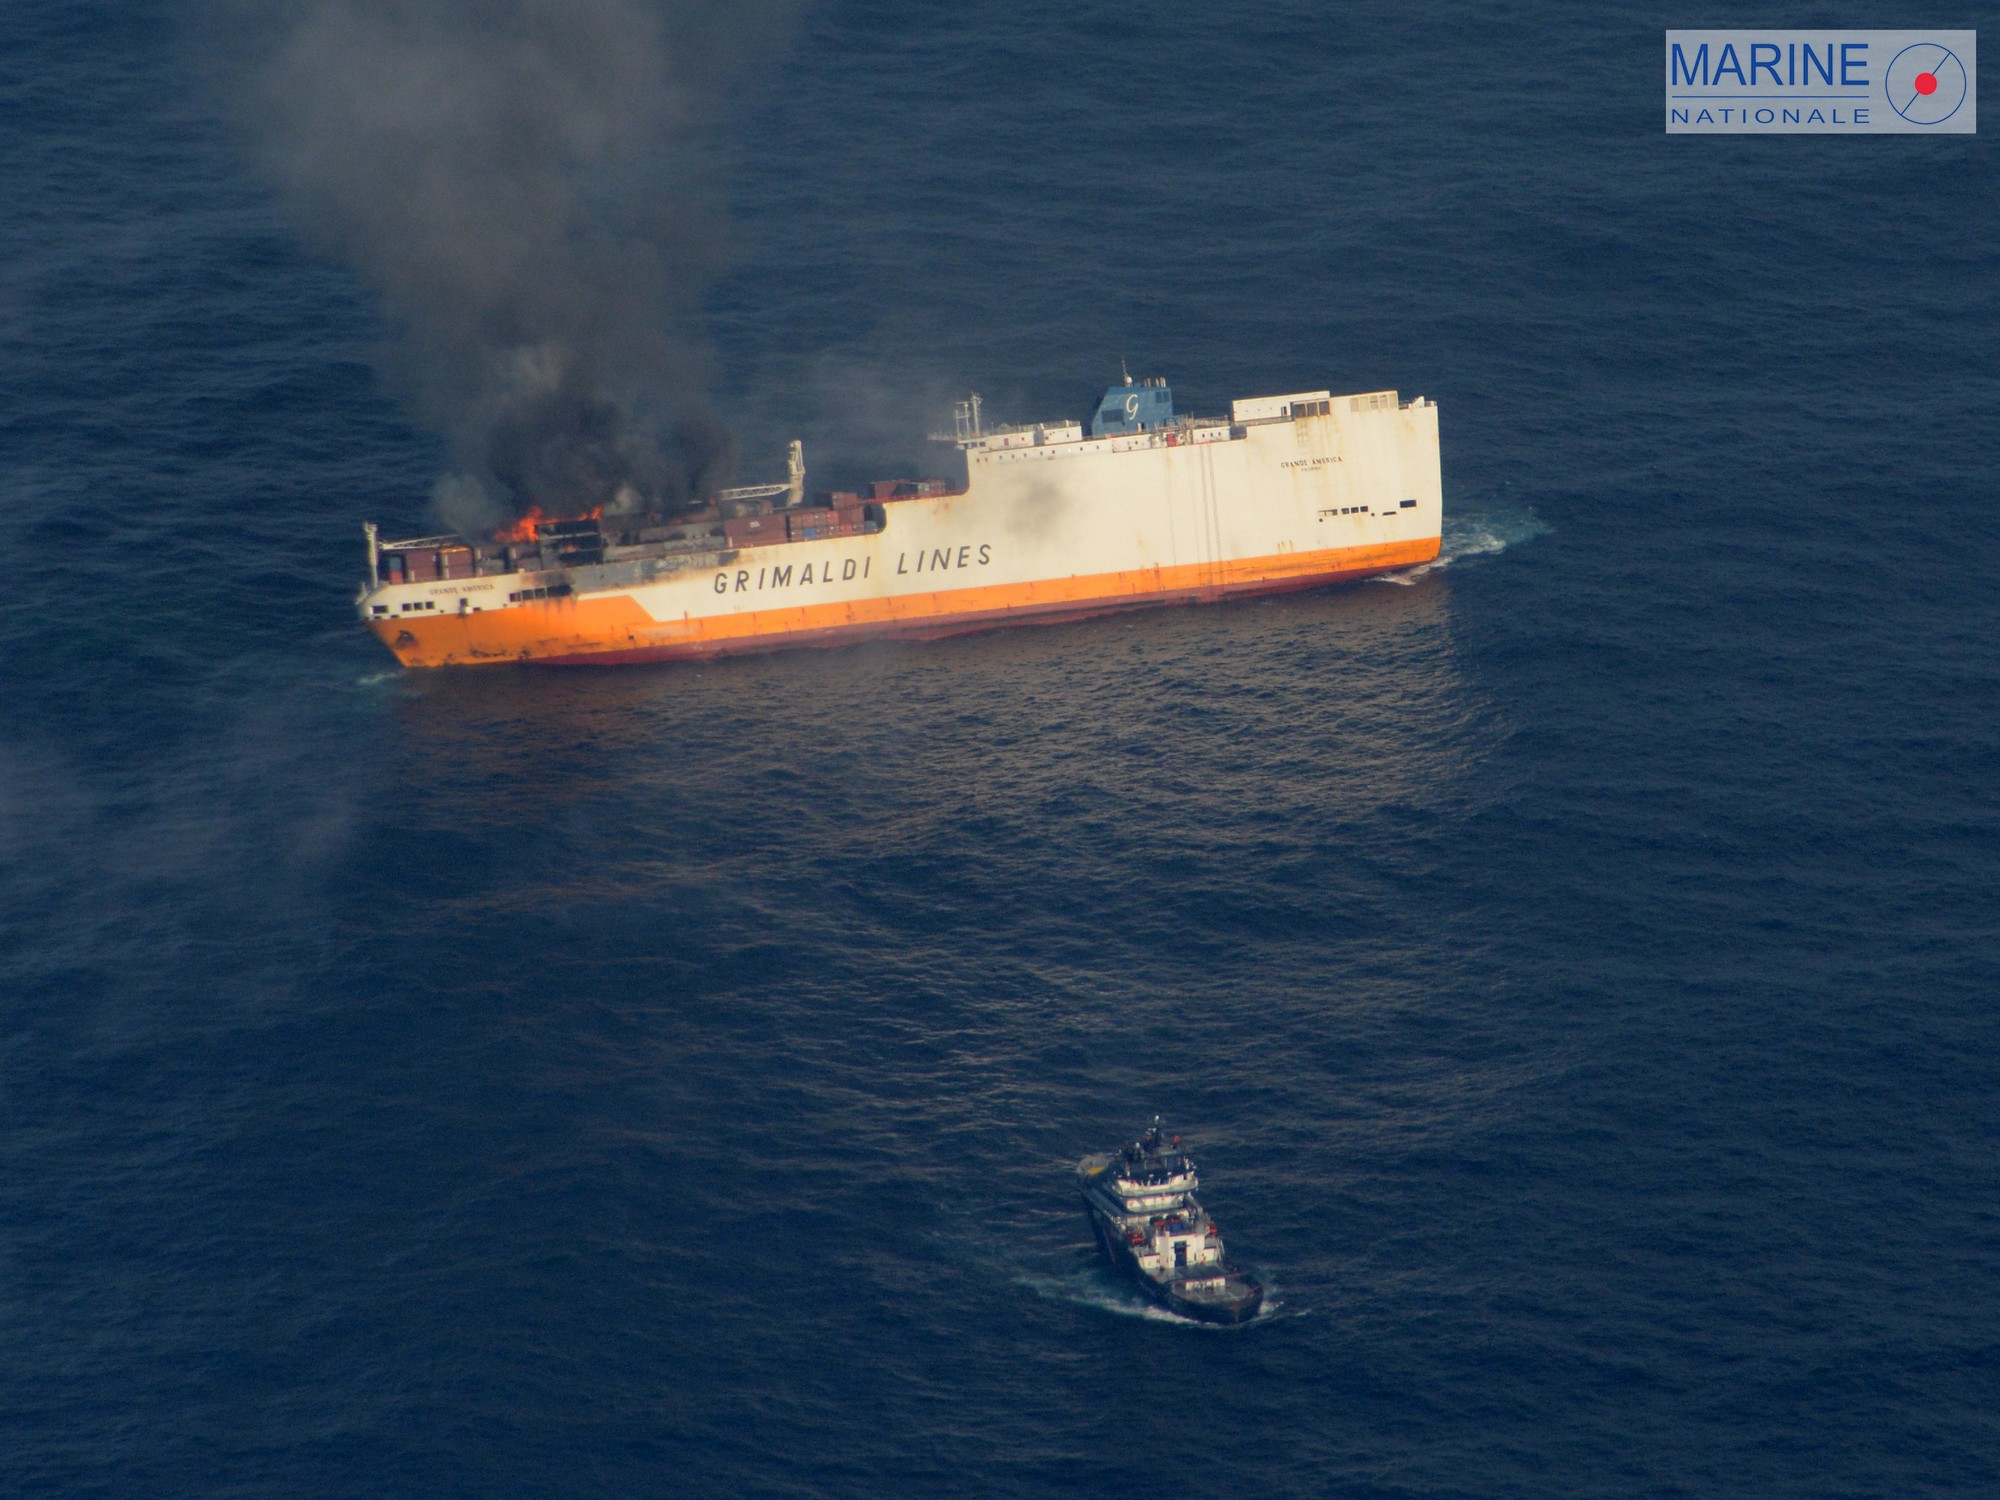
[{"x": 1574, "y": 966}]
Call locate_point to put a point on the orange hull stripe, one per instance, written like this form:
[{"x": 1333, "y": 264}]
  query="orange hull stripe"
[{"x": 610, "y": 627}]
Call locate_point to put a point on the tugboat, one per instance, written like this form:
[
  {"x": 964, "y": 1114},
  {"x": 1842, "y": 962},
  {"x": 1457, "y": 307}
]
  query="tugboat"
[{"x": 1142, "y": 1206}]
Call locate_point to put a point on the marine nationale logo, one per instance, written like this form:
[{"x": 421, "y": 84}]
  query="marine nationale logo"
[
  {"x": 1927, "y": 83},
  {"x": 1822, "y": 82}
]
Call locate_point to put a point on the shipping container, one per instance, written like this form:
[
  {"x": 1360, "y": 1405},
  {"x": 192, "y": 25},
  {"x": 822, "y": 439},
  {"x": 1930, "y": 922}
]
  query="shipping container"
[
  {"x": 814, "y": 520},
  {"x": 752, "y": 531}
]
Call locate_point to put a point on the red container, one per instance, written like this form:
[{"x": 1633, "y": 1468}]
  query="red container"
[{"x": 752, "y": 531}]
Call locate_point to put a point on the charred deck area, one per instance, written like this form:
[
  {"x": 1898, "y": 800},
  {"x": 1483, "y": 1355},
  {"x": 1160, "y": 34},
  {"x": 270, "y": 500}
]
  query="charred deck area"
[{"x": 591, "y": 541}]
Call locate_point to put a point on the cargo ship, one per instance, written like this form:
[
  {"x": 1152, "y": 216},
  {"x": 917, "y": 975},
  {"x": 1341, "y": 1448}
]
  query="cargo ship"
[{"x": 1047, "y": 521}]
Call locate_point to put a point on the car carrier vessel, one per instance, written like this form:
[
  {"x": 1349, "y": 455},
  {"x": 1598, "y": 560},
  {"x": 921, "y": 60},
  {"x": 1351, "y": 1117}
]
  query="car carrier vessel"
[{"x": 1049, "y": 521}]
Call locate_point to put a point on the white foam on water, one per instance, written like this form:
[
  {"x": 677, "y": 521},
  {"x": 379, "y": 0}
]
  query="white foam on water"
[
  {"x": 1486, "y": 529},
  {"x": 1098, "y": 1288}
]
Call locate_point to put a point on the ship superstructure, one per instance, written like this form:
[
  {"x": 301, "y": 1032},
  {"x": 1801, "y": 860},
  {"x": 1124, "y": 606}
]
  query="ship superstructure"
[{"x": 1050, "y": 522}]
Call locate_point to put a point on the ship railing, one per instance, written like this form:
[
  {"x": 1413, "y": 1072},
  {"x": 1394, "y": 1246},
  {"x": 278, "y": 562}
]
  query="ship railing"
[
  {"x": 982, "y": 438},
  {"x": 1152, "y": 436},
  {"x": 1176, "y": 433}
]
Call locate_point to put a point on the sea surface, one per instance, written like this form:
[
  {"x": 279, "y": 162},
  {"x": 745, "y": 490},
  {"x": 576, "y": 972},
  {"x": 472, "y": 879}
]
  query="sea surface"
[{"x": 1573, "y": 965}]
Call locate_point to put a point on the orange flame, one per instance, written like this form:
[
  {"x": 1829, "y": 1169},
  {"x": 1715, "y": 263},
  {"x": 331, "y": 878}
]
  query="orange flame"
[{"x": 525, "y": 529}]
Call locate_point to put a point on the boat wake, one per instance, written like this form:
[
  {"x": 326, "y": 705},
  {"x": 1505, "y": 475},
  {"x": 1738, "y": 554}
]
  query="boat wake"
[
  {"x": 1096, "y": 1287},
  {"x": 1475, "y": 533}
]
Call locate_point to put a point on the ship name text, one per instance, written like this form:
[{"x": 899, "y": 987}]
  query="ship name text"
[
  {"x": 941, "y": 558},
  {"x": 851, "y": 569},
  {"x": 791, "y": 575}
]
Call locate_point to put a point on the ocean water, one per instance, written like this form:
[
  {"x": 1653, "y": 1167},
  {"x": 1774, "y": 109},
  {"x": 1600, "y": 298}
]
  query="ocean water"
[{"x": 1574, "y": 966}]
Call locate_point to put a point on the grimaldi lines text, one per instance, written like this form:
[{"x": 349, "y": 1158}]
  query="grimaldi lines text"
[{"x": 1052, "y": 521}]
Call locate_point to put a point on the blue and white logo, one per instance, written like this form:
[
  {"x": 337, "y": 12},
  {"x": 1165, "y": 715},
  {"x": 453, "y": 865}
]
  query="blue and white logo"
[{"x": 1822, "y": 82}]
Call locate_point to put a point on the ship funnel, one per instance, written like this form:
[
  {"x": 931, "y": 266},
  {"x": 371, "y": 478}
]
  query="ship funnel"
[{"x": 1133, "y": 408}]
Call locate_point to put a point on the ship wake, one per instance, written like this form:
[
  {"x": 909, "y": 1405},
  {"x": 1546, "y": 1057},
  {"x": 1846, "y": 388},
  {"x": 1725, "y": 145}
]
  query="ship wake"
[
  {"x": 1480, "y": 532},
  {"x": 1096, "y": 1286}
]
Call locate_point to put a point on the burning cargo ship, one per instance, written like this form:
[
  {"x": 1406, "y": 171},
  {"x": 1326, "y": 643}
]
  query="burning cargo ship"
[{"x": 1050, "y": 523}]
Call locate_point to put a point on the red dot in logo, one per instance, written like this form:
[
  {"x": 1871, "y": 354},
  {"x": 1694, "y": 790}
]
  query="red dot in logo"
[{"x": 1927, "y": 83}]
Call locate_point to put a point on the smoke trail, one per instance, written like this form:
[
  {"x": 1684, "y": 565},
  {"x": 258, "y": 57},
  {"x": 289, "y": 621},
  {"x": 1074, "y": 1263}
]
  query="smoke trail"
[{"x": 526, "y": 184}]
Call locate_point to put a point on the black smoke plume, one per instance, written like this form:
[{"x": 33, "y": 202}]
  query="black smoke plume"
[{"x": 529, "y": 184}]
